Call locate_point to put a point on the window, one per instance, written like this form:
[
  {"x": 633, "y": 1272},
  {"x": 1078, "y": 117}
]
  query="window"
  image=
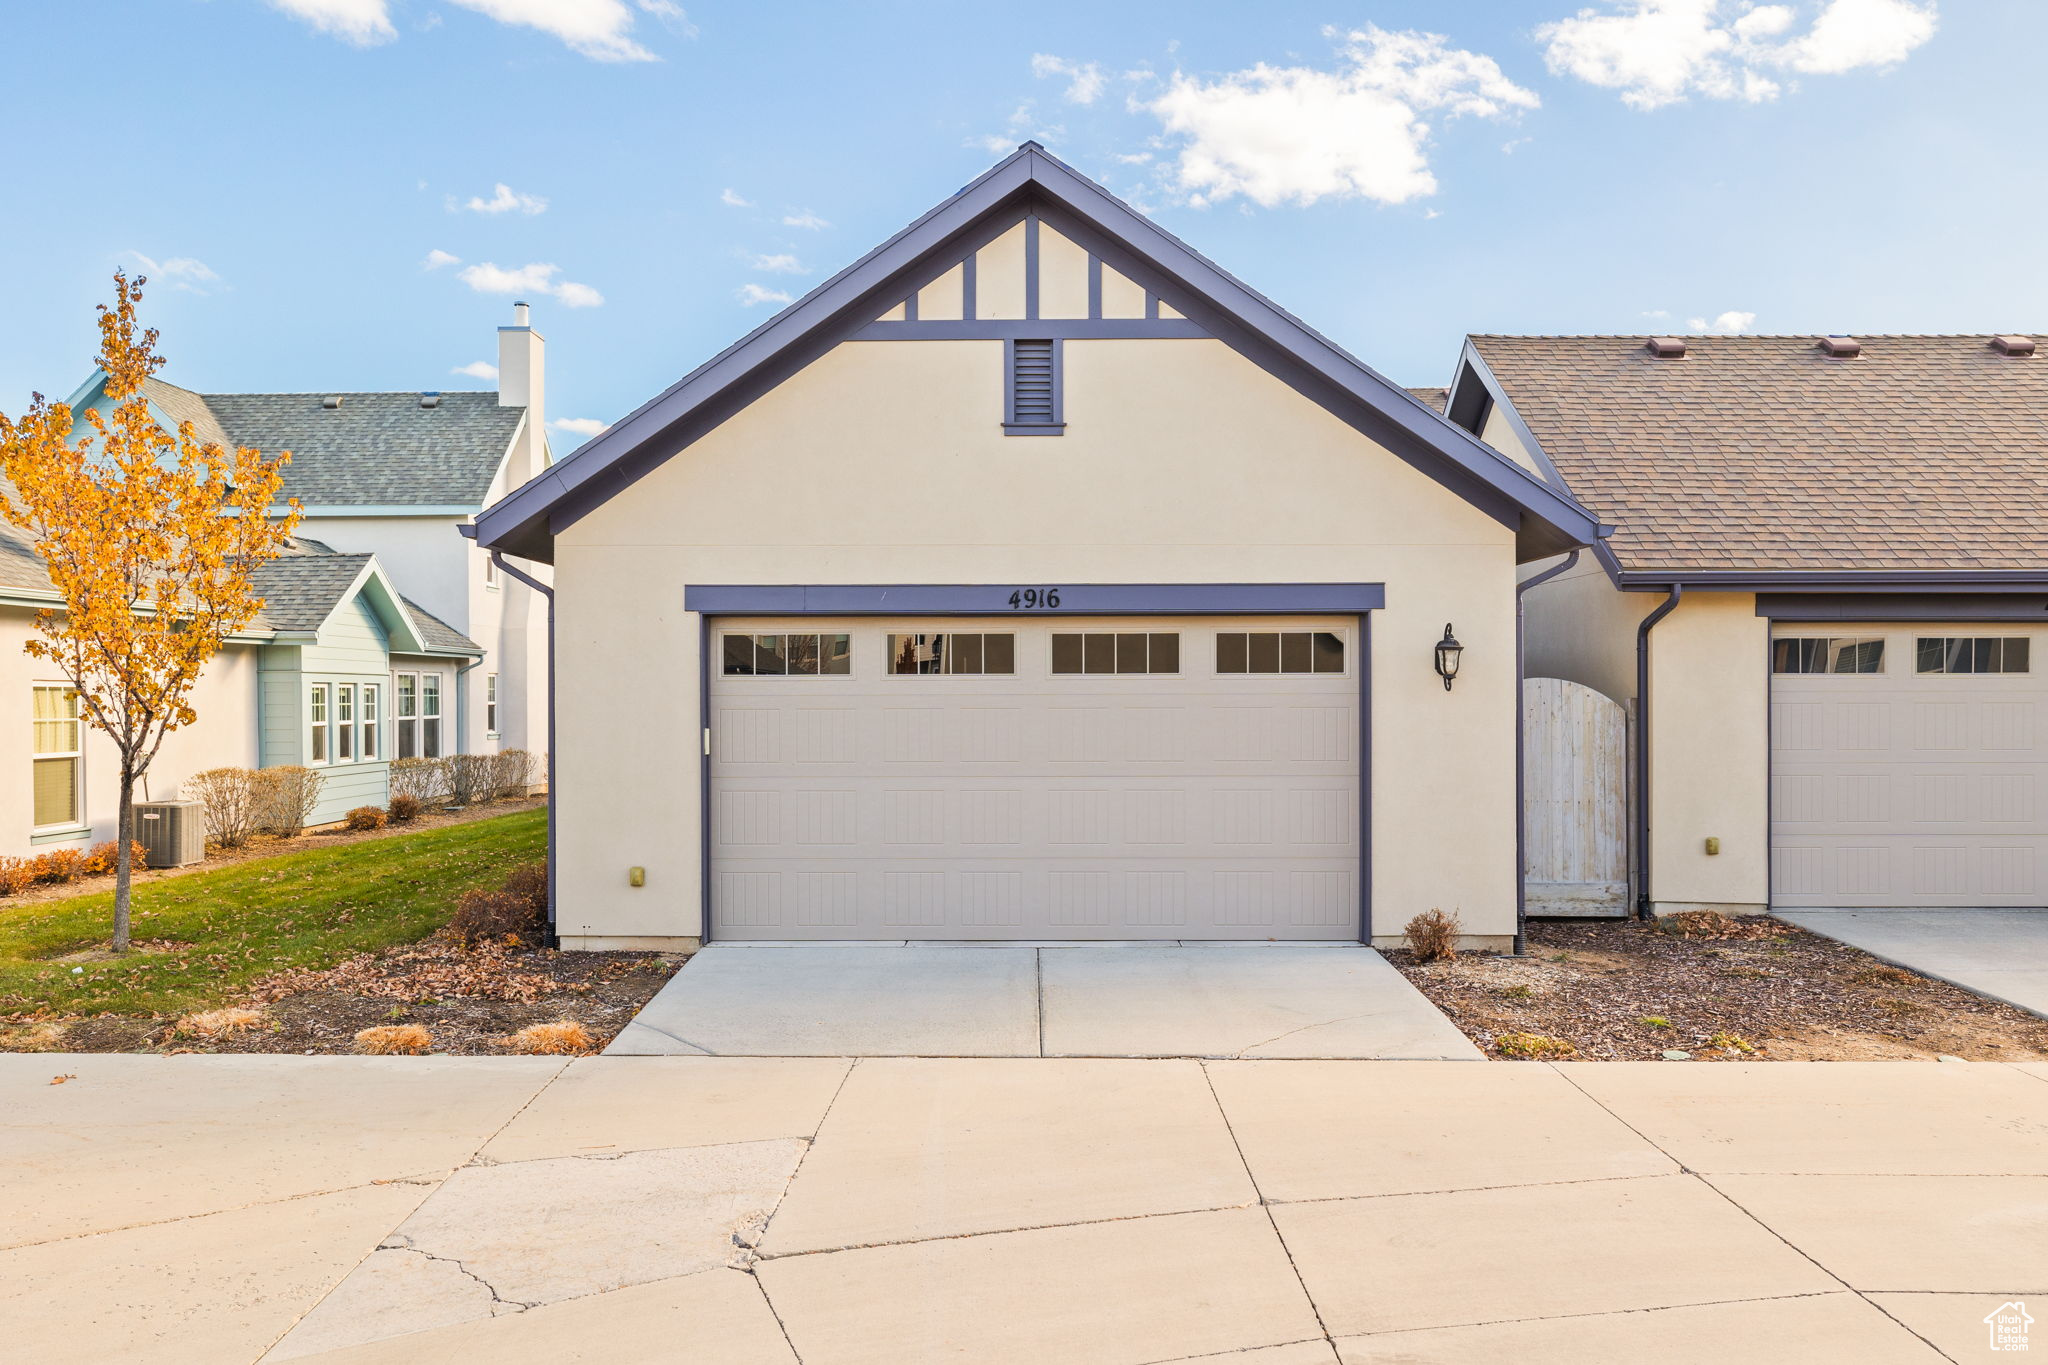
[
  {"x": 490, "y": 703},
  {"x": 1031, "y": 388},
  {"x": 430, "y": 715},
  {"x": 1978, "y": 654},
  {"x": 490, "y": 571},
  {"x": 1280, "y": 651},
  {"x": 345, "y": 722},
  {"x": 369, "y": 722},
  {"x": 1827, "y": 656},
  {"x": 408, "y": 685},
  {"x": 59, "y": 761},
  {"x": 801, "y": 656},
  {"x": 1105, "y": 651},
  {"x": 316, "y": 722},
  {"x": 954, "y": 653}
]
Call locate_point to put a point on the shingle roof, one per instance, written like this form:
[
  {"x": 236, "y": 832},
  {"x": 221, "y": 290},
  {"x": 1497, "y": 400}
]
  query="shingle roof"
[
  {"x": 376, "y": 449},
  {"x": 301, "y": 590},
  {"x": 1926, "y": 453},
  {"x": 1432, "y": 397},
  {"x": 437, "y": 634}
]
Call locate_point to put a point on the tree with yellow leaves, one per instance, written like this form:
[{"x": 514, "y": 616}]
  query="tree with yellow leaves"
[{"x": 150, "y": 538}]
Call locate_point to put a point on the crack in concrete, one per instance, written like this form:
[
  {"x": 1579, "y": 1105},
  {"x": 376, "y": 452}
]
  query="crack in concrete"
[
  {"x": 1239, "y": 1055},
  {"x": 999, "y": 1232},
  {"x": 400, "y": 1242},
  {"x": 637, "y": 1022}
]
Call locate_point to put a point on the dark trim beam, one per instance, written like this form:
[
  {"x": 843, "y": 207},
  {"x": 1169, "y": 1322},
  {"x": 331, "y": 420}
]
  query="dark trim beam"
[{"x": 1037, "y": 599}]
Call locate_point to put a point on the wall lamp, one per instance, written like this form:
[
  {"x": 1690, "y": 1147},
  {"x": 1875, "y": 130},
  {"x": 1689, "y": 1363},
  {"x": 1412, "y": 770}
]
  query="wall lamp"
[{"x": 1448, "y": 652}]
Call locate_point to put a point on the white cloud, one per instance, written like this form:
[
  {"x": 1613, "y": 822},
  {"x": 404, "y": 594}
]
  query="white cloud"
[
  {"x": 488, "y": 278},
  {"x": 362, "y": 22},
  {"x": 505, "y": 200},
  {"x": 672, "y": 16},
  {"x": 180, "y": 272},
  {"x": 578, "y": 426},
  {"x": 1280, "y": 135},
  {"x": 780, "y": 264},
  {"x": 732, "y": 200},
  {"x": 751, "y": 294},
  {"x": 597, "y": 29},
  {"x": 1084, "y": 79},
  {"x": 478, "y": 369},
  {"x": 1730, "y": 323},
  {"x": 807, "y": 220},
  {"x": 438, "y": 258},
  {"x": 1659, "y": 52}
]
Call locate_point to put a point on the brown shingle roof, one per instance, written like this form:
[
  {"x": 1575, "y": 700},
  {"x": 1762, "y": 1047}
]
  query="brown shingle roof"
[
  {"x": 1927, "y": 452},
  {"x": 1432, "y": 397}
]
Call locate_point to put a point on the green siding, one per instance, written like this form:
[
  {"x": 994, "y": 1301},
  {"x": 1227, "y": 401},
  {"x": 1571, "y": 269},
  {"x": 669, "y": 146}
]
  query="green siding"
[{"x": 350, "y": 650}]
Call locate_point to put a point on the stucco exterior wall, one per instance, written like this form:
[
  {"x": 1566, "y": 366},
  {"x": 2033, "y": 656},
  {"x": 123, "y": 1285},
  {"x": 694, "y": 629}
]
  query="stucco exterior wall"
[
  {"x": 884, "y": 462},
  {"x": 1580, "y": 627}
]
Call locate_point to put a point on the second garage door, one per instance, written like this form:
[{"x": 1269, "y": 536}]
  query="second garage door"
[{"x": 1044, "y": 779}]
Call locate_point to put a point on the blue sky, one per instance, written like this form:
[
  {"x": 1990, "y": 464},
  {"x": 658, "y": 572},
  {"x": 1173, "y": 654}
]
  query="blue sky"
[{"x": 1396, "y": 173}]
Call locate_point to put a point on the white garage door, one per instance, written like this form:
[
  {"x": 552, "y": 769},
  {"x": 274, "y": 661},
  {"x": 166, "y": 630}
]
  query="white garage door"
[
  {"x": 1035, "y": 779},
  {"x": 1909, "y": 766}
]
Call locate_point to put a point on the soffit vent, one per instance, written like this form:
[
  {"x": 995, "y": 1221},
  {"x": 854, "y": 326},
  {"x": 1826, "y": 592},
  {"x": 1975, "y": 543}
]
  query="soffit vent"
[
  {"x": 1841, "y": 348},
  {"x": 2013, "y": 345},
  {"x": 1666, "y": 348},
  {"x": 331, "y": 401}
]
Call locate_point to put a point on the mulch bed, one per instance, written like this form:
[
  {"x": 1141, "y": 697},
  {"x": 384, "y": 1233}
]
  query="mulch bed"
[
  {"x": 469, "y": 1000},
  {"x": 1761, "y": 983}
]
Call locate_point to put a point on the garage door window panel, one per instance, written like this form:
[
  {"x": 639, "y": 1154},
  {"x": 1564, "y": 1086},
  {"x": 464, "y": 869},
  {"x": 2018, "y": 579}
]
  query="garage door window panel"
[
  {"x": 781, "y": 656},
  {"x": 956, "y": 653},
  {"x": 1828, "y": 655},
  {"x": 1282, "y": 651},
  {"x": 1113, "y": 652},
  {"x": 1974, "y": 654}
]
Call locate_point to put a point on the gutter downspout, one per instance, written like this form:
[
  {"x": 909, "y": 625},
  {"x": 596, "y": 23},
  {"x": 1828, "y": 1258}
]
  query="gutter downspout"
[
  {"x": 1663, "y": 610},
  {"x": 1521, "y": 758},
  {"x": 554, "y": 863},
  {"x": 462, "y": 706}
]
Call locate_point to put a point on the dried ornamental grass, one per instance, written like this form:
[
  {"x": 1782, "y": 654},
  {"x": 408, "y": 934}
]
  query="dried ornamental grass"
[
  {"x": 1433, "y": 936},
  {"x": 223, "y": 1023},
  {"x": 1533, "y": 1047},
  {"x": 389, "y": 1040},
  {"x": 564, "y": 1037}
]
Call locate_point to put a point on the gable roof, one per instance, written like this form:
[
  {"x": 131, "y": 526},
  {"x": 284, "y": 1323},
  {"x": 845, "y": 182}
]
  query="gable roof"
[
  {"x": 374, "y": 450},
  {"x": 525, "y": 522},
  {"x": 1761, "y": 455}
]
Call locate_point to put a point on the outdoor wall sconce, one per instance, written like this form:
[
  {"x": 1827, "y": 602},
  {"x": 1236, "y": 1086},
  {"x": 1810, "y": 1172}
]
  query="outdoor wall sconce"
[{"x": 1448, "y": 651}]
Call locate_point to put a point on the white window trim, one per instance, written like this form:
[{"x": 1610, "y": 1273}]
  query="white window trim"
[
  {"x": 369, "y": 713},
  {"x": 852, "y": 656},
  {"x": 1180, "y": 637},
  {"x": 1343, "y": 636},
  {"x": 325, "y": 692},
  {"x": 342, "y": 727},
  {"x": 490, "y": 706},
  {"x": 889, "y": 655},
  {"x": 440, "y": 681},
  {"x": 399, "y": 720},
  {"x": 75, "y": 756}
]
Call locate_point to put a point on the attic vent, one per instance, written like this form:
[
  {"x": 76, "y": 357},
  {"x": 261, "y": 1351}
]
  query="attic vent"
[
  {"x": 1666, "y": 348},
  {"x": 331, "y": 401},
  {"x": 1033, "y": 389},
  {"x": 1841, "y": 348},
  {"x": 430, "y": 400},
  {"x": 2013, "y": 345}
]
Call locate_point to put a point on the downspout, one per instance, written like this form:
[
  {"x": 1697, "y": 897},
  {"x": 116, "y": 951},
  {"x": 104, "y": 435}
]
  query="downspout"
[
  {"x": 554, "y": 863},
  {"x": 1663, "y": 610},
  {"x": 1521, "y": 758},
  {"x": 462, "y": 706}
]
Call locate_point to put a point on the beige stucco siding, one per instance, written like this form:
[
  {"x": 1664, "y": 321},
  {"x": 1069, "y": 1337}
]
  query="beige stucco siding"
[
  {"x": 884, "y": 462},
  {"x": 1580, "y": 627},
  {"x": 1499, "y": 433}
]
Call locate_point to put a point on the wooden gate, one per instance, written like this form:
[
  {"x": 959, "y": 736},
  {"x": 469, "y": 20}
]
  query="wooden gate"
[{"x": 1575, "y": 799}]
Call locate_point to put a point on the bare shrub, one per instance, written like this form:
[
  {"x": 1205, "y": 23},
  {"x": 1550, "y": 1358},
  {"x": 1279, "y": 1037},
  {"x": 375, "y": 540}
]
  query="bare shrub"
[
  {"x": 365, "y": 817},
  {"x": 1533, "y": 1047},
  {"x": 471, "y": 777},
  {"x": 216, "y": 1024},
  {"x": 16, "y": 875},
  {"x": 285, "y": 799},
  {"x": 562, "y": 1037},
  {"x": 516, "y": 911},
  {"x": 1433, "y": 936},
  {"x": 227, "y": 796},
  {"x": 404, "y": 809},
  {"x": 513, "y": 773},
  {"x": 425, "y": 780},
  {"x": 388, "y": 1040}
]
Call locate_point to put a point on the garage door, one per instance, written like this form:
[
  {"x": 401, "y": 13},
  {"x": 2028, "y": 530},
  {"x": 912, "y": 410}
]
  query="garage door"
[
  {"x": 1047, "y": 779},
  {"x": 1909, "y": 766}
]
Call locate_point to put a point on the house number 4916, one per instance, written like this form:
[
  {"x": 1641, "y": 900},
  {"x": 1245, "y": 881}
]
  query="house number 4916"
[{"x": 1030, "y": 599}]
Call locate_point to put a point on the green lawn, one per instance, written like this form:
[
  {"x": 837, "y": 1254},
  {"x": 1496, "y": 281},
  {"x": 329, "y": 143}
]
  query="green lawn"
[{"x": 310, "y": 909}]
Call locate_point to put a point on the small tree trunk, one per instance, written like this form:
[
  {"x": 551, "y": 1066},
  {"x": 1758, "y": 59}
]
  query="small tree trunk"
[{"x": 124, "y": 857}]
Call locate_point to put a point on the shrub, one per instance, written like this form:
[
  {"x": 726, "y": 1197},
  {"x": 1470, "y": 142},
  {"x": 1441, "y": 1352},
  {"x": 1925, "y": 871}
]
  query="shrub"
[
  {"x": 285, "y": 797},
  {"x": 100, "y": 859},
  {"x": 1731, "y": 1042},
  {"x": 228, "y": 798},
  {"x": 518, "y": 910},
  {"x": 564, "y": 1036},
  {"x": 60, "y": 866},
  {"x": 425, "y": 780},
  {"x": 219, "y": 1023},
  {"x": 1533, "y": 1047},
  {"x": 404, "y": 809},
  {"x": 394, "y": 1040},
  {"x": 1433, "y": 936},
  {"x": 512, "y": 773},
  {"x": 366, "y": 817},
  {"x": 471, "y": 777},
  {"x": 1883, "y": 974},
  {"x": 1654, "y": 1021},
  {"x": 16, "y": 875}
]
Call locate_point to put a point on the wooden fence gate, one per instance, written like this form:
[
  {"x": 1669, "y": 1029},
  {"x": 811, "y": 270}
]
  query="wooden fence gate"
[{"x": 1575, "y": 799}]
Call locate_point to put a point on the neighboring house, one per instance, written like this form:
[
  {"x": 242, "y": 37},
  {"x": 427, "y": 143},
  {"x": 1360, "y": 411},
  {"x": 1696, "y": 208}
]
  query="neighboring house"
[
  {"x": 1034, "y": 579},
  {"x": 1829, "y": 561},
  {"x": 385, "y": 633}
]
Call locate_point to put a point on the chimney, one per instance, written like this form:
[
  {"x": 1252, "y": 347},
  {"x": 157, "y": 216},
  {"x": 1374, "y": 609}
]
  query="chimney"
[{"x": 522, "y": 354}]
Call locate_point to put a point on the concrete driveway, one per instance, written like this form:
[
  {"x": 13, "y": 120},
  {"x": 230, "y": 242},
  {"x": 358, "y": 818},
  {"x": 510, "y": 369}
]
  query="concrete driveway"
[
  {"x": 825, "y": 1211},
  {"x": 1042, "y": 1000},
  {"x": 2002, "y": 953}
]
